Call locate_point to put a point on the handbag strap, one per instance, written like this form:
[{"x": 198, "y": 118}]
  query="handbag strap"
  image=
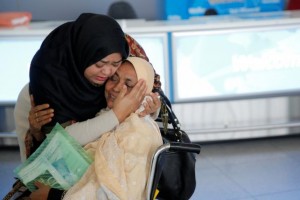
[{"x": 168, "y": 116}]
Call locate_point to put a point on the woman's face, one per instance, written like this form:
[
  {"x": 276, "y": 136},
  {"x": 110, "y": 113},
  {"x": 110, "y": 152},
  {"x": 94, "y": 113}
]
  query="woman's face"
[
  {"x": 125, "y": 75},
  {"x": 99, "y": 72}
]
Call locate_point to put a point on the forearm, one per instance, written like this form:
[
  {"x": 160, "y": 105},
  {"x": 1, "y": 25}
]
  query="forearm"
[{"x": 92, "y": 129}]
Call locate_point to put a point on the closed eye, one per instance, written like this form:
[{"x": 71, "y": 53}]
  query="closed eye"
[{"x": 114, "y": 78}]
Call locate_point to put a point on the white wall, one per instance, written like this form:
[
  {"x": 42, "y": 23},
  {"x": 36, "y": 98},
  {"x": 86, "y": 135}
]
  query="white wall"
[{"x": 249, "y": 118}]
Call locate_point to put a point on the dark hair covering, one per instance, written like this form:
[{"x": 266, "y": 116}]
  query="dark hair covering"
[{"x": 57, "y": 69}]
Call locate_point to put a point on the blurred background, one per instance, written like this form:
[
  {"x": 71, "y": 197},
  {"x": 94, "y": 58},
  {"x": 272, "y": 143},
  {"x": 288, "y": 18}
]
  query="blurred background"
[
  {"x": 70, "y": 9},
  {"x": 230, "y": 69},
  {"x": 148, "y": 10}
]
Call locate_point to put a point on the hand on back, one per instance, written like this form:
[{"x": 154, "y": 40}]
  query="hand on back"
[{"x": 39, "y": 116}]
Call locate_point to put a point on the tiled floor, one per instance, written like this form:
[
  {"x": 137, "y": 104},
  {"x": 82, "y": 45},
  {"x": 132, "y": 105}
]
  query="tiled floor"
[{"x": 263, "y": 169}]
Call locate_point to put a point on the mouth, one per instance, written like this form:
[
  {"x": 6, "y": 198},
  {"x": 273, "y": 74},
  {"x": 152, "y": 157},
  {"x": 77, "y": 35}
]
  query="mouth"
[
  {"x": 101, "y": 78},
  {"x": 110, "y": 100},
  {"x": 112, "y": 97}
]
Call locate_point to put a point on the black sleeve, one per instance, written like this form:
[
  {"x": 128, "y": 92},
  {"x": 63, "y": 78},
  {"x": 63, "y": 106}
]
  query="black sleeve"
[{"x": 56, "y": 194}]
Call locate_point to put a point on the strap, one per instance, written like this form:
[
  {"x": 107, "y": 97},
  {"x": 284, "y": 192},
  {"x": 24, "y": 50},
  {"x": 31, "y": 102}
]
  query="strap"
[
  {"x": 16, "y": 188},
  {"x": 168, "y": 116}
]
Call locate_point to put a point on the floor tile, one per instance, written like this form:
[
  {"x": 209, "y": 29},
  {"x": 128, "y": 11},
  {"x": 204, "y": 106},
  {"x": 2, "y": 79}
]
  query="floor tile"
[
  {"x": 214, "y": 185},
  {"x": 262, "y": 169},
  {"x": 271, "y": 175},
  {"x": 289, "y": 195},
  {"x": 9, "y": 160},
  {"x": 241, "y": 152}
]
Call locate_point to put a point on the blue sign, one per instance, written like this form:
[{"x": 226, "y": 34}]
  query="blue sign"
[{"x": 185, "y": 9}]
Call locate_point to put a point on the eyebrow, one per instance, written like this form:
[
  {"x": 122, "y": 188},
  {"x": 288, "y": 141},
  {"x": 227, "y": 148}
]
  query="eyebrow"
[{"x": 112, "y": 62}]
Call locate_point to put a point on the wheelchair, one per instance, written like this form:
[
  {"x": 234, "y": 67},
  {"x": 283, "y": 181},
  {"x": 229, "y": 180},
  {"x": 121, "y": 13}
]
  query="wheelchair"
[{"x": 176, "y": 143}]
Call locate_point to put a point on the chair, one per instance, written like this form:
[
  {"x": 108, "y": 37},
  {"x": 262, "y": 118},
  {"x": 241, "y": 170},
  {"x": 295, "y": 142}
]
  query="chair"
[{"x": 121, "y": 10}]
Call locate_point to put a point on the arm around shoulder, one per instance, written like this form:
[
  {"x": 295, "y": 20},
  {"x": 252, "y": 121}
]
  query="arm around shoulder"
[{"x": 90, "y": 130}]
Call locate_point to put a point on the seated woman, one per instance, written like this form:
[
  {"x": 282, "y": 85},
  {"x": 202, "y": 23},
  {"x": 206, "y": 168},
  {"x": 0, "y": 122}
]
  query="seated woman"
[{"x": 122, "y": 156}]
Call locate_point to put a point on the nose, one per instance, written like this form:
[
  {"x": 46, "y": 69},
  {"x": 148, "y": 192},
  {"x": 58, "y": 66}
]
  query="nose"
[
  {"x": 118, "y": 87},
  {"x": 107, "y": 70}
]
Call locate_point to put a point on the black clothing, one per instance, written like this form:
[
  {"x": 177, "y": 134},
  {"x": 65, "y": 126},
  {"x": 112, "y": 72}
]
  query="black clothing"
[
  {"x": 55, "y": 194},
  {"x": 57, "y": 69}
]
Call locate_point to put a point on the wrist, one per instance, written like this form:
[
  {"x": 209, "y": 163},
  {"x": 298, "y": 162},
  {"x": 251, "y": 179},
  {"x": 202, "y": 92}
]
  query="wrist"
[
  {"x": 37, "y": 135},
  {"x": 120, "y": 114}
]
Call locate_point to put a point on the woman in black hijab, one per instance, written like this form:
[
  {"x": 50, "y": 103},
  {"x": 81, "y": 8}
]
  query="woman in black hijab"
[
  {"x": 63, "y": 71},
  {"x": 57, "y": 71}
]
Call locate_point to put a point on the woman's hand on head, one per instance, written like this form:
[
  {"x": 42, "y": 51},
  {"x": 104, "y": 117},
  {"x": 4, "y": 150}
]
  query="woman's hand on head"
[
  {"x": 41, "y": 193},
  {"x": 151, "y": 106},
  {"x": 39, "y": 116},
  {"x": 125, "y": 104}
]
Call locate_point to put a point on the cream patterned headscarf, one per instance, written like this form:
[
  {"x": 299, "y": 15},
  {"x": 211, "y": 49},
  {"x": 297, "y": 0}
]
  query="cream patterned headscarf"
[{"x": 144, "y": 70}]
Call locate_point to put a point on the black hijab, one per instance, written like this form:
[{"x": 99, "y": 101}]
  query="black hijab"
[{"x": 57, "y": 69}]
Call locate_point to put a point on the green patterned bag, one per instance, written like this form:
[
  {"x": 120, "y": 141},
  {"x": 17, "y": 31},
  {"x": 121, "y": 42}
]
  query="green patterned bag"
[{"x": 59, "y": 162}]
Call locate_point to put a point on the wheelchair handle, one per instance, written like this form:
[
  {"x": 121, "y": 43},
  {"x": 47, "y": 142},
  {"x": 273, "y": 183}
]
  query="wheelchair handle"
[{"x": 185, "y": 147}]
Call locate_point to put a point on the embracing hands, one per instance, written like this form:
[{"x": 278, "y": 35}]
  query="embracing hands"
[
  {"x": 151, "y": 106},
  {"x": 125, "y": 104},
  {"x": 41, "y": 193},
  {"x": 38, "y": 116}
]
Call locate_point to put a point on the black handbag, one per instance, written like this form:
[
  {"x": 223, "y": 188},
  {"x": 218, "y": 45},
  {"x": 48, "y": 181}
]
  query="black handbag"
[{"x": 177, "y": 169}]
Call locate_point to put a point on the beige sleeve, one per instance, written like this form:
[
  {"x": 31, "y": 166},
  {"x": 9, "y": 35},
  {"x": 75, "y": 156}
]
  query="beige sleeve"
[
  {"x": 21, "y": 113},
  {"x": 90, "y": 130}
]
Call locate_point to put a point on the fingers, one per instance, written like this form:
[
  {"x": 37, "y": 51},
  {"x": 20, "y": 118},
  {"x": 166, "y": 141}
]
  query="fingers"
[
  {"x": 39, "y": 116},
  {"x": 156, "y": 101},
  {"x": 125, "y": 104},
  {"x": 41, "y": 193},
  {"x": 39, "y": 108},
  {"x": 123, "y": 92},
  {"x": 39, "y": 184},
  {"x": 139, "y": 91},
  {"x": 44, "y": 119},
  {"x": 151, "y": 105},
  {"x": 136, "y": 95},
  {"x": 142, "y": 90}
]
